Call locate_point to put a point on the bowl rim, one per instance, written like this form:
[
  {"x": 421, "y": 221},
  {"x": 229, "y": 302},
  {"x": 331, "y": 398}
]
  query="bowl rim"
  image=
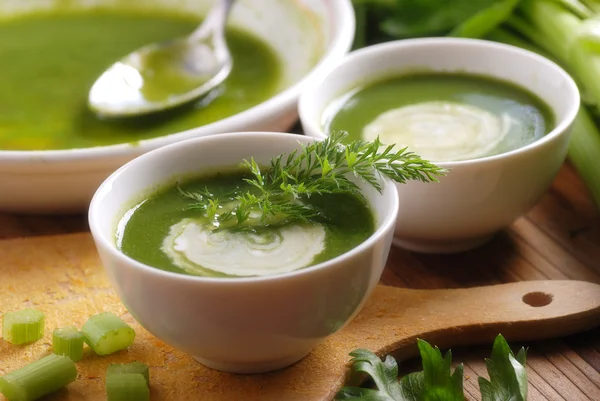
[
  {"x": 315, "y": 88},
  {"x": 341, "y": 29},
  {"x": 95, "y": 213}
]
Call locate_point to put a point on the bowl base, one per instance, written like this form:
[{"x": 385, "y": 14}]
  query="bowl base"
[
  {"x": 252, "y": 367},
  {"x": 441, "y": 246}
]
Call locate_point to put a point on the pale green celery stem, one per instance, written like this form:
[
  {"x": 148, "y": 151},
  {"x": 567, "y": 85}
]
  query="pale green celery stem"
[
  {"x": 529, "y": 31},
  {"x": 503, "y": 36},
  {"x": 551, "y": 47},
  {"x": 560, "y": 27},
  {"x": 553, "y": 27},
  {"x": 106, "y": 333},
  {"x": 39, "y": 378},
  {"x": 586, "y": 69},
  {"x": 24, "y": 326},
  {"x": 132, "y": 367},
  {"x": 584, "y": 152},
  {"x": 68, "y": 341},
  {"x": 577, "y": 7},
  {"x": 127, "y": 387},
  {"x": 593, "y": 5}
]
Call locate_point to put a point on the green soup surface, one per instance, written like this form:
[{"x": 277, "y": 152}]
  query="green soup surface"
[
  {"x": 442, "y": 116},
  {"x": 50, "y": 60},
  {"x": 164, "y": 232}
]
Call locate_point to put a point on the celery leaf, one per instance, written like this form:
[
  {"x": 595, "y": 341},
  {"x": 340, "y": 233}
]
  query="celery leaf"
[
  {"x": 508, "y": 376},
  {"x": 437, "y": 381},
  {"x": 384, "y": 374}
]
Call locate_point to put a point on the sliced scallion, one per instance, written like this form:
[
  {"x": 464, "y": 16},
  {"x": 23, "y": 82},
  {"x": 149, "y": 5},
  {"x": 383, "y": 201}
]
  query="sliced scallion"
[
  {"x": 24, "y": 326},
  {"x": 106, "y": 333},
  {"x": 127, "y": 387},
  {"x": 68, "y": 341},
  {"x": 39, "y": 378},
  {"x": 133, "y": 367}
]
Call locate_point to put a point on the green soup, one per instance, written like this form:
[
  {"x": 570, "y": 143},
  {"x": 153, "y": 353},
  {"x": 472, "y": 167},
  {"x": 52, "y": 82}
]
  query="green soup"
[
  {"x": 164, "y": 232},
  {"x": 442, "y": 117},
  {"x": 50, "y": 60}
]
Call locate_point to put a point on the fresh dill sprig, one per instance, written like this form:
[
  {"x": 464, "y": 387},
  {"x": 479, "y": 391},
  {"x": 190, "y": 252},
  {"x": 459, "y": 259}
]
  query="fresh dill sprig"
[{"x": 322, "y": 167}]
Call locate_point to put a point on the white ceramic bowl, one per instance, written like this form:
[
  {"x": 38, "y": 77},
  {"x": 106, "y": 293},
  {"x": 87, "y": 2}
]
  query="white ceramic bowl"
[
  {"x": 477, "y": 197},
  {"x": 308, "y": 35},
  {"x": 243, "y": 325}
]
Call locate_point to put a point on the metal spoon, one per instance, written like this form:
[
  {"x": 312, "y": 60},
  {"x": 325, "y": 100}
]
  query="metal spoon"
[{"x": 160, "y": 76}]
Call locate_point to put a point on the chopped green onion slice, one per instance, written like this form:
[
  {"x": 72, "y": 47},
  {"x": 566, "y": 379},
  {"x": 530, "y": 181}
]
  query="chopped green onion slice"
[
  {"x": 133, "y": 367},
  {"x": 127, "y": 387},
  {"x": 106, "y": 333},
  {"x": 39, "y": 378},
  {"x": 68, "y": 341},
  {"x": 23, "y": 326}
]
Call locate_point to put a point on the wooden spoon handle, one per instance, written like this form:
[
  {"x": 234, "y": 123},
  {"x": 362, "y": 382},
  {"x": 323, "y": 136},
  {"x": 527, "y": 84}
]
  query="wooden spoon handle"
[{"x": 521, "y": 311}]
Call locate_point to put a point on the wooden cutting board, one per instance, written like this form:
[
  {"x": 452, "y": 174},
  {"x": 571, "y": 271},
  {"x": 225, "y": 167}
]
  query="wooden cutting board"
[{"x": 62, "y": 276}]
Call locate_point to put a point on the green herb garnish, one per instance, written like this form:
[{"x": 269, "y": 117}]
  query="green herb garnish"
[
  {"x": 323, "y": 167},
  {"x": 508, "y": 377}
]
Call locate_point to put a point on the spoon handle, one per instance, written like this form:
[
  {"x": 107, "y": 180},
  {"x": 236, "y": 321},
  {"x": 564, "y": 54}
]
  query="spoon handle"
[{"x": 214, "y": 23}]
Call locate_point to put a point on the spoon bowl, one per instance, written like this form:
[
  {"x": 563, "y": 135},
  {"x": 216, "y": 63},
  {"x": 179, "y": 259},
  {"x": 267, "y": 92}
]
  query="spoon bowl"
[{"x": 160, "y": 76}]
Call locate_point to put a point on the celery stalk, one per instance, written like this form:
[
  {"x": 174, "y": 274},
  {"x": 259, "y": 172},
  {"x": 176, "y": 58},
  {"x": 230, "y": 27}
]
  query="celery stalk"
[
  {"x": 593, "y": 5},
  {"x": 504, "y": 36},
  {"x": 584, "y": 152},
  {"x": 24, "y": 326},
  {"x": 39, "y": 378},
  {"x": 126, "y": 387},
  {"x": 132, "y": 367},
  {"x": 576, "y": 7},
  {"x": 563, "y": 34},
  {"x": 68, "y": 341},
  {"x": 550, "y": 26},
  {"x": 537, "y": 38},
  {"x": 106, "y": 333}
]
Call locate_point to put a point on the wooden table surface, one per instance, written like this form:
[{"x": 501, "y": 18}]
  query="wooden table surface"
[{"x": 557, "y": 239}]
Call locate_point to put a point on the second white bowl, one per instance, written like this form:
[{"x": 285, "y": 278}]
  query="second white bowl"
[{"x": 481, "y": 196}]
